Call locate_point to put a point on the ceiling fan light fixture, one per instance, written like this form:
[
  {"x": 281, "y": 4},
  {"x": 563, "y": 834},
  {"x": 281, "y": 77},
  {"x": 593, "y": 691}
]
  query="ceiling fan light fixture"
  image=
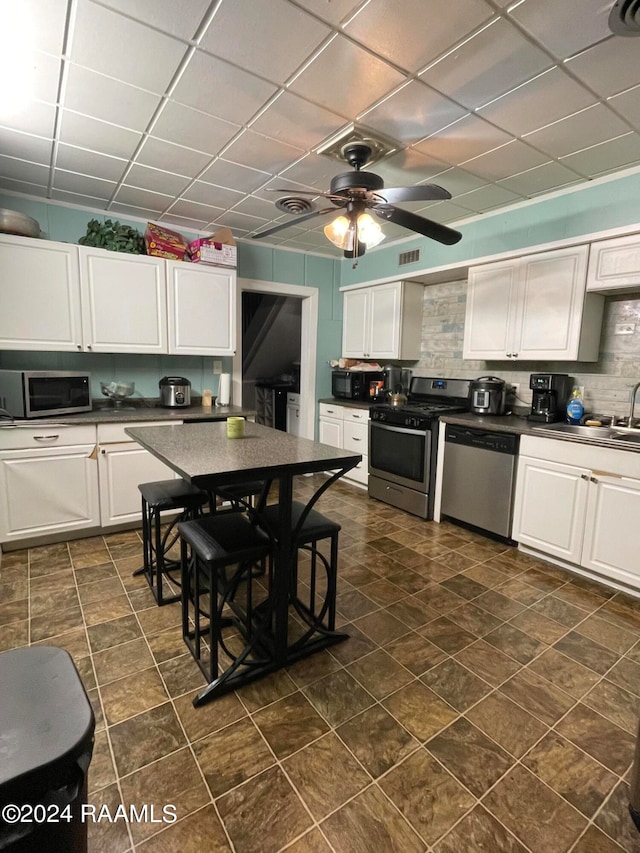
[{"x": 342, "y": 231}]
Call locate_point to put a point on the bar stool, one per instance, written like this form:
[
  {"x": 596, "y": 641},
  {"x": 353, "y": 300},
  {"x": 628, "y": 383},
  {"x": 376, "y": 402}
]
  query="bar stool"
[
  {"x": 306, "y": 537},
  {"x": 158, "y": 497},
  {"x": 237, "y": 495},
  {"x": 217, "y": 554}
]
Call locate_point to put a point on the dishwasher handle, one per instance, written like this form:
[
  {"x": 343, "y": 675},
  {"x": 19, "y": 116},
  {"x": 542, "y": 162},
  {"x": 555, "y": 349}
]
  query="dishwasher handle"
[{"x": 498, "y": 442}]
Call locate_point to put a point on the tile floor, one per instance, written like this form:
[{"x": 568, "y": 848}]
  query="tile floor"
[{"x": 485, "y": 701}]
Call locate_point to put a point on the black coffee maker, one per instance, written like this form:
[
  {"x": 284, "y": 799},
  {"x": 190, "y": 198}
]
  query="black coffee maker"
[{"x": 551, "y": 392}]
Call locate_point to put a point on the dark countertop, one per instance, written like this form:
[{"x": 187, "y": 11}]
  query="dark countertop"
[
  {"x": 349, "y": 404},
  {"x": 136, "y": 414}
]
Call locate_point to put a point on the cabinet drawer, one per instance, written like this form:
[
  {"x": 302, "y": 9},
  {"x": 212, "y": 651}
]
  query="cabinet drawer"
[
  {"x": 360, "y": 474},
  {"x": 355, "y": 437},
  {"x": 113, "y": 433},
  {"x": 326, "y": 410},
  {"x": 45, "y": 435},
  {"x": 359, "y": 416}
]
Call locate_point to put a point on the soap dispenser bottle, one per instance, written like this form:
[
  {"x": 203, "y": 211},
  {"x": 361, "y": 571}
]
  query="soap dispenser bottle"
[{"x": 575, "y": 406}]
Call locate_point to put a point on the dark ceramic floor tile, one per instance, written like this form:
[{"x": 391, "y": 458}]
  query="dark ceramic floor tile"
[
  {"x": 448, "y": 635},
  {"x": 412, "y": 612},
  {"x": 355, "y": 647},
  {"x": 264, "y": 813},
  {"x": 145, "y": 738},
  {"x": 197, "y": 832},
  {"x": 473, "y": 758},
  {"x": 573, "y": 774},
  {"x": 131, "y": 695},
  {"x": 479, "y": 831},
  {"x": 56, "y": 623},
  {"x": 14, "y": 611},
  {"x": 538, "y": 817},
  {"x": 521, "y": 591},
  {"x": 595, "y": 841},
  {"x": 509, "y": 725},
  {"x": 626, "y": 674},
  {"x": 456, "y": 684},
  {"x": 433, "y": 571},
  {"x": 355, "y": 603},
  {"x": 232, "y": 755},
  {"x": 383, "y": 593},
  {"x": 464, "y": 586},
  {"x": 489, "y": 574},
  {"x": 93, "y": 574},
  {"x": 181, "y": 675},
  {"x": 377, "y": 740},
  {"x": 614, "y": 819},
  {"x": 125, "y": 659},
  {"x": 585, "y": 599},
  {"x": 603, "y": 632},
  {"x": 104, "y": 611},
  {"x": 50, "y": 583},
  {"x": 539, "y": 627},
  {"x": 158, "y": 619},
  {"x": 440, "y": 599},
  {"x": 108, "y": 634},
  {"x": 101, "y": 772},
  {"x": 369, "y": 816},
  {"x": 290, "y": 724},
  {"x": 558, "y": 610},
  {"x": 381, "y": 627},
  {"x": 515, "y": 643},
  {"x": 415, "y": 653},
  {"x": 622, "y": 610},
  {"x": 586, "y": 652},
  {"x": 419, "y": 710},
  {"x": 616, "y": 704},
  {"x": 474, "y": 619},
  {"x": 312, "y": 668},
  {"x": 312, "y": 842},
  {"x": 14, "y": 635},
  {"x": 107, "y": 836},
  {"x": 499, "y": 605},
  {"x": 428, "y": 796},
  {"x": 338, "y": 697},
  {"x": 379, "y": 673},
  {"x": 488, "y": 662},
  {"x": 325, "y": 774},
  {"x": 357, "y": 575},
  {"x": 600, "y": 738},
  {"x": 541, "y": 698},
  {"x": 543, "y": 580},
  {"x": 74, "y": 642},
  {"x": 100, "y": 590},
  {"x": 565, "y": 673}
]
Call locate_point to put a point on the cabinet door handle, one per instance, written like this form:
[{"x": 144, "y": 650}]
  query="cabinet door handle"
[
  {"x": 593, "y": 479},
  {"x": 46, "y": 437},
  {"x": 357, "y": 439},
  {"x": 515, "y": 355},
  {"x": 585, "y": 477},
  {"x": 508, "y": 355}
]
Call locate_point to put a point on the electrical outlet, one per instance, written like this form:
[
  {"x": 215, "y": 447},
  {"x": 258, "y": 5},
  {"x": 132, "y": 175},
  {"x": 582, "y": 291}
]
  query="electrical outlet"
[
  {"x": 515, "y": 387},
  {"x": 217, "y": 366},
  {"x": 624, "y": 328}
]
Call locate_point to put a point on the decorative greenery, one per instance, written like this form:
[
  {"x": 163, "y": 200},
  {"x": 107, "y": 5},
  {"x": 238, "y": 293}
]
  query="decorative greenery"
[{"x": 114, "y": 236}]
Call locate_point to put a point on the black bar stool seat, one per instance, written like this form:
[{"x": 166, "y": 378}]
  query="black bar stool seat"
[
  {"x": 237, "y": 495},
  {"x": 158, "y": 497}
]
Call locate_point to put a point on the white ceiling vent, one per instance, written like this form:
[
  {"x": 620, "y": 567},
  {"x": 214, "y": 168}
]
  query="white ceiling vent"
[
  {"x": 408, "y": 257},
  {"x": 624, "y": 18}
]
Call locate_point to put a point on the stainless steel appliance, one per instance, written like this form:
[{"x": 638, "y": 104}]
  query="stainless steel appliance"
[
  {"x": 488, "y": 396},
  {"x": 175, "y": 392},
  {"x": 551, "y": 392},
  {"x": 355, "y": 384},
  {"x": 403, "y": 443},
  {"x": 478, "y": 478},
  {"x": 44, "y": 393}
]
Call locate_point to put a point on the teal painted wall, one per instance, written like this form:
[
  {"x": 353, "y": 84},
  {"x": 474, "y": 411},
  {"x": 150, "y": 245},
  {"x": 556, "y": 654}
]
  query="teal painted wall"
[
  {"x": 255, "y": 261},
  {"x": 598, "y": 207}
]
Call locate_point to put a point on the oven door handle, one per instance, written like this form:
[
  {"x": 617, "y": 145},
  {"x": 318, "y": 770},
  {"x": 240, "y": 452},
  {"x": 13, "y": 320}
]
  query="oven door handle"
[{"x": 408, "y": 430}]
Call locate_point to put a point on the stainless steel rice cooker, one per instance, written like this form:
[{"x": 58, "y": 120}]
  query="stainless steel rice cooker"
[
  {"x": 488, "y": 396},
  {"x": 175, "y": 392}
]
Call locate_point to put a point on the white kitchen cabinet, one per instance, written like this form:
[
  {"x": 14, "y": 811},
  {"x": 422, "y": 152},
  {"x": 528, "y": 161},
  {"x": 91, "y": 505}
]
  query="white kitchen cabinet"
[
  {"x": 39, "y": 295},
  {"x": 293, "y": 414},
  {"x": 48, "y": 482},
  {"x": 383, "y": 321},
  {"x": 201, "y": 309},
  {"x": 347, "y": 427},
  {"x": 579, "y": 503},
  {"x": 614, "y": 264},
  {"x": 124, "y": 302},
  {"x": 533, "y": 308},
  {"x": 330, "y": 425},
  {"x": 122, "y": 465}
]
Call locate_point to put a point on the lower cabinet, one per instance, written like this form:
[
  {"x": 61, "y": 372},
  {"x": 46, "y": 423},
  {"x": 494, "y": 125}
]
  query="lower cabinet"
[
  {"x": 122, "y": 466},
  {"x": 293, "y": 414},
  {"x": 48, "y": 481},
  {"x": 347, "y": 428},
  {"x": 579, "y": 503}
]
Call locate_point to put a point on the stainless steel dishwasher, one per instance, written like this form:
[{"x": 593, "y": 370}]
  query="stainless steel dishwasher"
[{"x": 479, "y": 477}]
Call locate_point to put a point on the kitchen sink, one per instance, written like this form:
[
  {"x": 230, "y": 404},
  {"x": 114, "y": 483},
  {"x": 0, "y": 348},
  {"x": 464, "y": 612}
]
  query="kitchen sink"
[
  {"x": 630, "y": 437},
  {"x": 579, "y": 429}
]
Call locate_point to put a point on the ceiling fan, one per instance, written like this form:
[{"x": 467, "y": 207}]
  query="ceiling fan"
[{"x": 353, "y": 193}]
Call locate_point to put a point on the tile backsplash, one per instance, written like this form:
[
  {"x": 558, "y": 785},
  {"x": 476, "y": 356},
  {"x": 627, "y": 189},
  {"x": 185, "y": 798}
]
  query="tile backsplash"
[{"x": 607, "y": 382}]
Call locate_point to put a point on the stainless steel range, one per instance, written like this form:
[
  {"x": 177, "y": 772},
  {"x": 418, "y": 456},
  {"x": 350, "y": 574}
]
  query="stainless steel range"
[{"x": 403, "y": 443}]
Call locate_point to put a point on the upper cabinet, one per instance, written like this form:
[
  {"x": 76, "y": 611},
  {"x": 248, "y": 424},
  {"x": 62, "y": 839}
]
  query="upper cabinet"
[
  {"x": 533, "y": 308},
  {"x": 39, "y": 295},
  {"x": 124, "y": 302},
  {"x": 615, "y": 264},
  {"x": 202, "y": 309},
  {"x": 383, "y": 321},
  {"x": 58, "y": 296}
]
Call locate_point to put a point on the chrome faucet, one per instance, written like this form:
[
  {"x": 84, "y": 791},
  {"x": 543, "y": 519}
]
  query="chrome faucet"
[{"x": 633, "y": 403}]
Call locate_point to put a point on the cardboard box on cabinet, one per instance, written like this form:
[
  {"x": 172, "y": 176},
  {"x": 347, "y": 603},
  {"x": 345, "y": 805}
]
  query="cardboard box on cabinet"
[{"x": 219, "y": 249}]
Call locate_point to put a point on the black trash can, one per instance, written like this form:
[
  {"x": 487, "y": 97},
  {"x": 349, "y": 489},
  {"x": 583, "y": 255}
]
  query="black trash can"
[{"x": 46, "y": 743}]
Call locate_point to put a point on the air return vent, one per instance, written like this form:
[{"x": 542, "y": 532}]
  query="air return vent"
[
  {"x": 295, "y": 205},
  {"x": 408, "y": 257},
  {"x": 624, "y": 18}
]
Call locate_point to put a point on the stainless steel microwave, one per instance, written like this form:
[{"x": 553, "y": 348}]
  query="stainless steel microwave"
[
  {"x": 44, "y": 393},
  {"x": 356, "y": 384}
]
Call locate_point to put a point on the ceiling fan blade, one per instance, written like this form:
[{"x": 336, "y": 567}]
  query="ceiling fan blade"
[
  {"x": 419, "y": 224},
  {"x": 291, "y": 222},
  {"x": 422, "y": 192}
]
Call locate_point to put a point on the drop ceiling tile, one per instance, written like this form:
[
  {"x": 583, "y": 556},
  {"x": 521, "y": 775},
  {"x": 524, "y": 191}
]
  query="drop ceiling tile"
[
  {"x": 412, "y": 113},
  {"x": 21, "y": 170},
  {"x": 551, "y": 96},
  {"x": 411, "y": 33},
  {"x": 194, "y": 211},
  {"x": 628, "y": 105},
  {"x": 297, "y": 122},
  {"x": 507, "y": 160},
  {"x": 266, "y": 48},
  {"x": 143, "y": 198},
  {"x": 261, "y": 152},
  {"x": 253, "y": 206},
  {"x": 178, "y": 18},
  {"x": 183, "y": 223},
  {"x": 346, "y": 79},
  {"x": 279, "y": 187},
  {"x": 205, "y": 193},
  {"x": 486, "y": 198},
  {"x": 89, "y": 163},
  {"x": 193, "y": 129},
  {"x": 543, "y": 179},
  {"x": 25, "y": 147},
  {"x": 314, "y": 239},
  {"x": 609, "y": 67},
  {"x": 607, "y": 156},
  {"x": 446, "y": 211},
  {"x": 132, "y": 212},
  {"x": 333, "y": 13},
  {"x": 213, "y": 86},
  {"x": 467, "y": 138},
  {"x": 32, "y": 117},
  {"x": 158, "y": 180},
  {"x": 85, "y": 132},
  {"x": 87, "y": 201},
  {"x": 107, "y": 99},
  {"x": 173, "y": 158},
  {"x": 409, "y": 167},
  {"x": 44, "y": 23},
  {"x": 234, "y": 176},
  {"x": 495, "y": 60},
  {"x": 313, "y": 170},
  {"x": 83, "y": 184},
  {"x": 117, "y": 46},
  {"x": 458, "y": 181},
  {"x": 23, "y": 187},
  {"x": 588, "y": 127},
  {"x": 240, "y": 222},
  {"x": 564, "y": 27},
  {"x": 46, "y": 77}
]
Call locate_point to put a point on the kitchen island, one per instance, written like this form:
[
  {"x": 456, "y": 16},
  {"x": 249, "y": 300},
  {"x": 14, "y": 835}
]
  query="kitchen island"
[{"x": 204, "y": 456}]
